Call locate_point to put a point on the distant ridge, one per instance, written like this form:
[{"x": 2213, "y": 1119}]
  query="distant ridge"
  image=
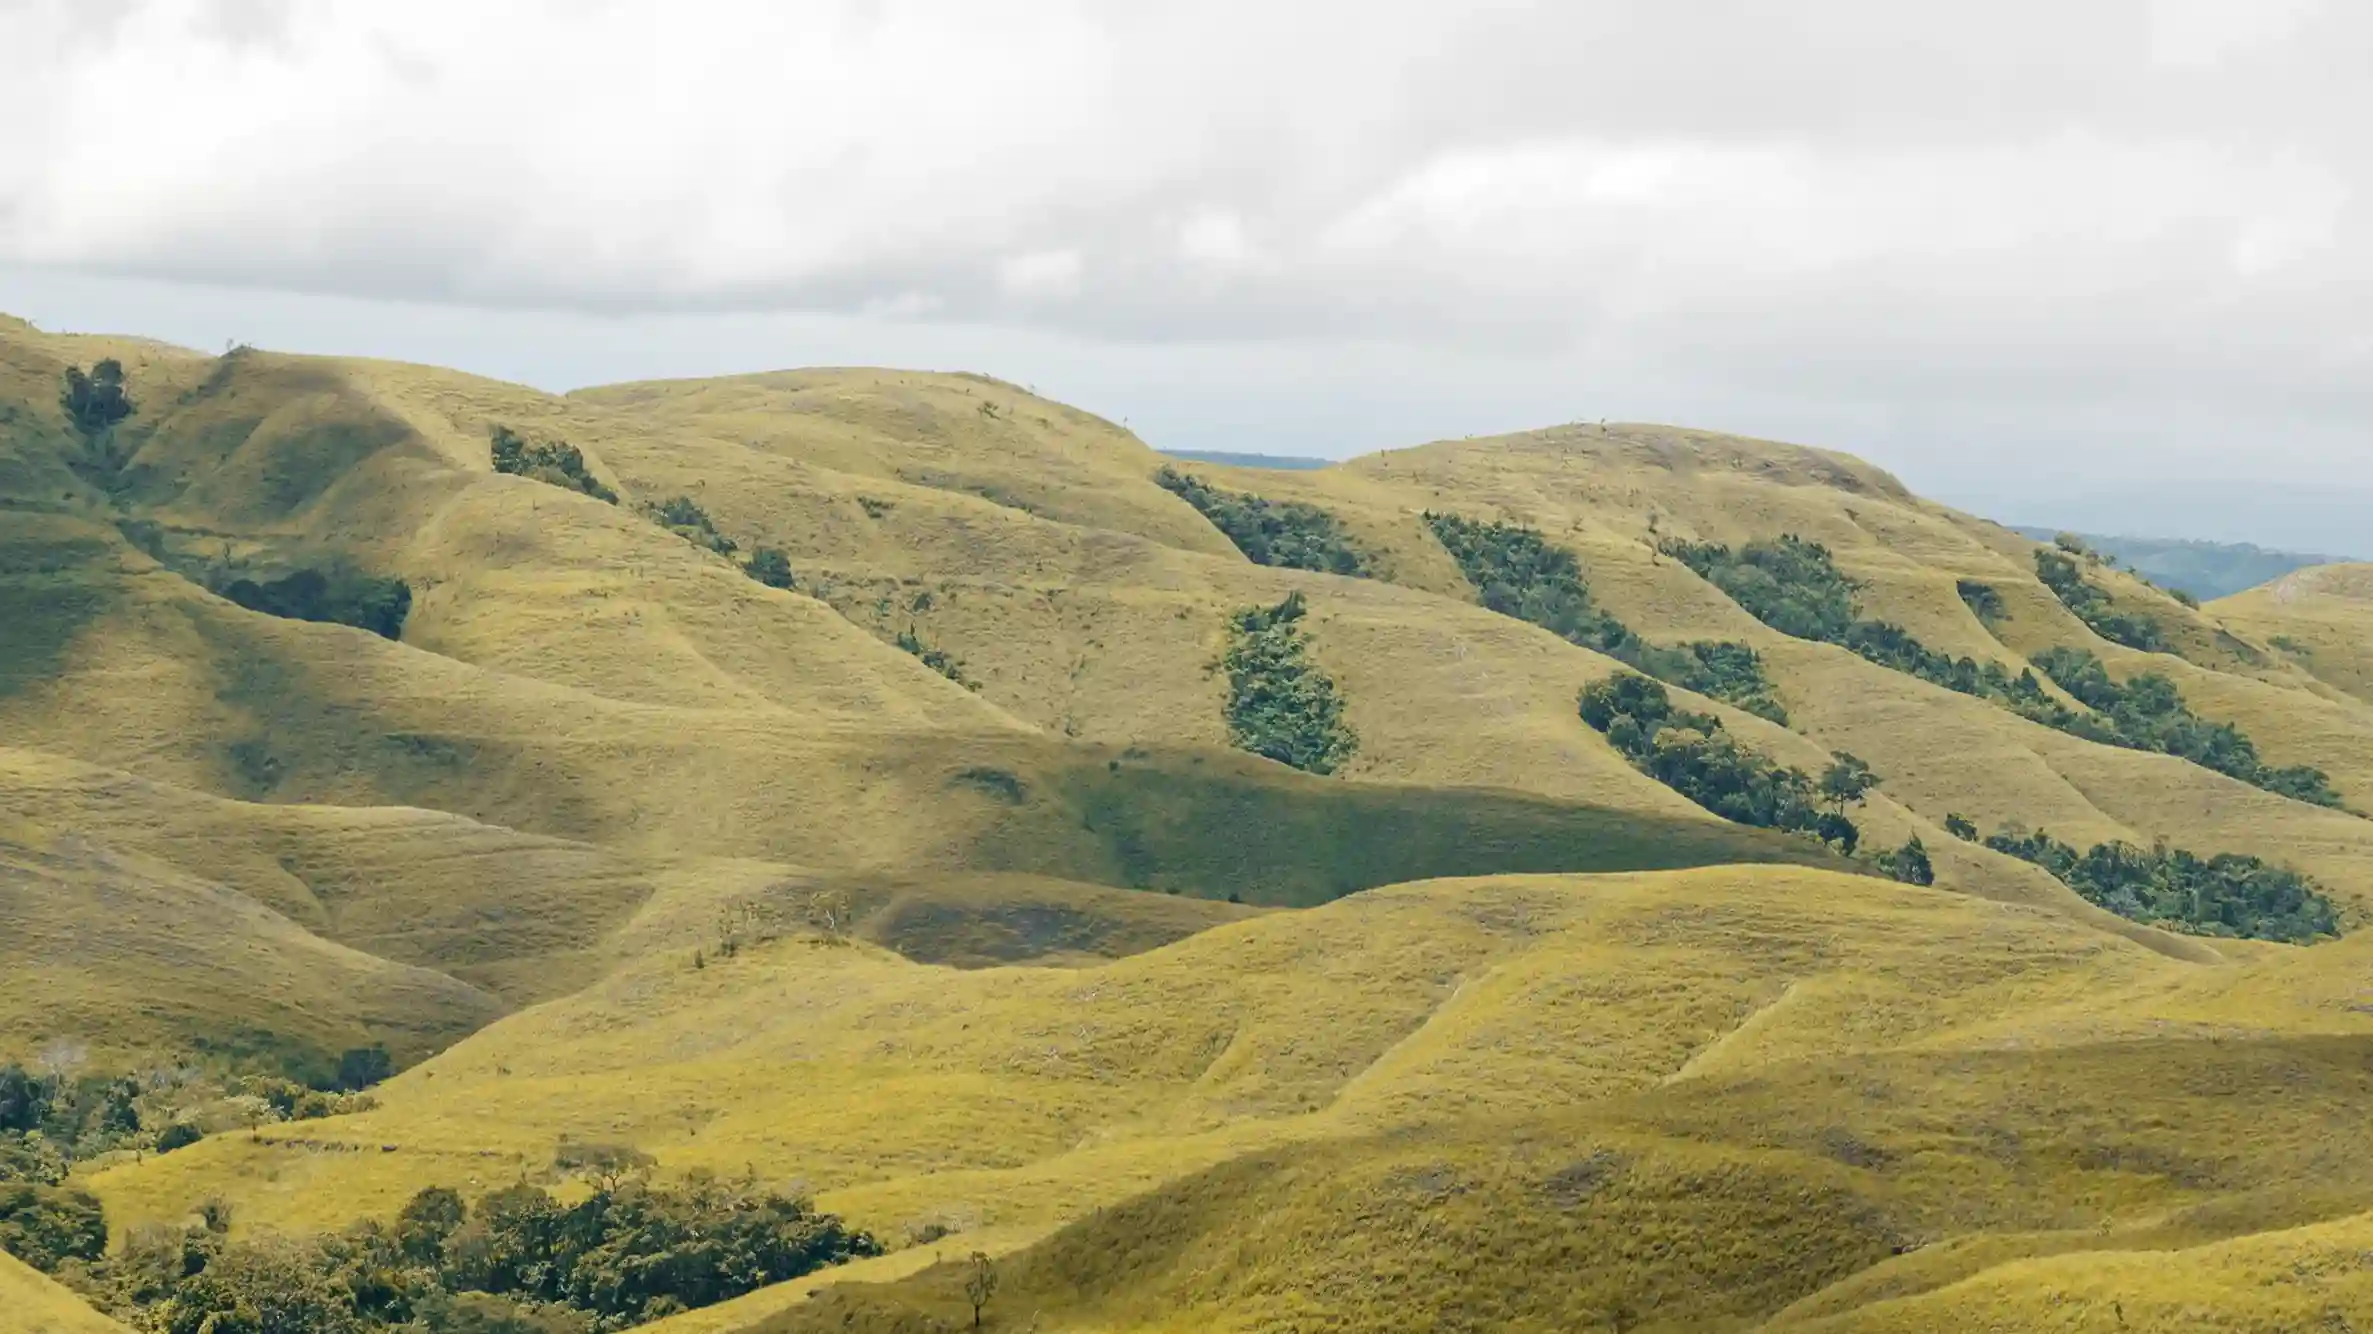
[
  {"x": 1276, "y": 462},
  {"x": 2203, "y": 569}
]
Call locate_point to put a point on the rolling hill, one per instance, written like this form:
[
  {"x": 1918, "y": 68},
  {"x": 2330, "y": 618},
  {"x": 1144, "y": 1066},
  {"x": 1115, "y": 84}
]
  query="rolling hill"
[{"x": 864, "y": 780}]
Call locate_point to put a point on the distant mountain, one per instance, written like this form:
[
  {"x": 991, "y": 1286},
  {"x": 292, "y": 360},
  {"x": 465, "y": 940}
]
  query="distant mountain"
[
  {"x": 2203, "y": 569},
  {"x": 1278, "y": 462}
]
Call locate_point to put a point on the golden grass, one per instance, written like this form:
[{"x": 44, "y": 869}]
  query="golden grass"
[{"x": 30, "y": 1303}]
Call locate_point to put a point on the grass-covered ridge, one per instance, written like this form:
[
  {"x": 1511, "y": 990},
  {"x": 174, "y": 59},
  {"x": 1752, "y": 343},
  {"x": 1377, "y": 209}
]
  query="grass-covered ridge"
[
  {"x": 2225, "y": 895},
  {"x": 1517, "y": 572},
  {"x": 1795, "y": 587},
  {"x": 1289, "y": 533},
  {"x": 1280, "y": 704}
]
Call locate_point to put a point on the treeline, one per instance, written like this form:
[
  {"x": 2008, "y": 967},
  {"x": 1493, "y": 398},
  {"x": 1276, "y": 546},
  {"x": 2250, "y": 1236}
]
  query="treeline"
[
  {"x": 1280, "y": 705},
  {"x": 519, "y": 1260},
  {"x": 2225, "y": 895},
  {"x": 1287, "y": 533},
  {"x": 1795, "y": 587},
  {"x": 338, "y": 595},
  {"x": 1517, "y": 572},
  {"x": 1692, "y": 754}
]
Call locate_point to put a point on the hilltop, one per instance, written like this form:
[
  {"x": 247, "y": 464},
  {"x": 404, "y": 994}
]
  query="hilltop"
[{"x": 1224, "y": 897}]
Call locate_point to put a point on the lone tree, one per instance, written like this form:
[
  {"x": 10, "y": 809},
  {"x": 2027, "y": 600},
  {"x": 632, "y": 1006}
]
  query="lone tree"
[
  {"x": 1847, "y": 781},
  {"x": 980, "y": 1285},
  {"x": 97, "y": 400}
]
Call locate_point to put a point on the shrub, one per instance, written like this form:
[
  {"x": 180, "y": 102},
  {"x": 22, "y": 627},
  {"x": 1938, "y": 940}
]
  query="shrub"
[
  {"x": 1280, "y": 705},
  {"x": 1691, "y": 754},
  {"x": 939, "y": 660},
  {"x": 179, "y": 1135},
  {"x": 1983, "y": 600},
  {"x": 769, "y": 566},
  {"x": 337, "y": 595},
  {"x": 556, "y": 463},
  {"x": 684, "y": 517},
  {"x": 1287, "y": 533},
  {"x": 1909, "y": 863}
]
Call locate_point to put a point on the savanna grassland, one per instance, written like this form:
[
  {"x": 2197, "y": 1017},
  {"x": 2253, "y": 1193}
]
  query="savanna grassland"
[{"x": 876, "y": 850}]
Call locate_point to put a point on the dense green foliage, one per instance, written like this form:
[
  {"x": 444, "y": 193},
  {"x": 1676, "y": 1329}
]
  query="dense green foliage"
[
  {"x": 1793, "y": 585},
  {"x": 769, "y": 566},
  {"x": 1983, "y": 600},
  {"x": 47, "y": 1225},
  {"x": 1516, "y": 572},
  {"x": 519, "y": 1262},
  {"x": 1280, "y": 705},
  {"x": 2225, "y": 895},
  {"x": 1288, "y": 533},
  {"x": 1908, "y": 863},
  {"x": 337, "y": 595},
  {"x": 556, "y": 462},
  {"x": 98, "y": 400},
  {"x": 2148, "y": 713},
  {"x": 684, "y": 517},
  {"x": 2059, "y": 573},
  {"x": 1691, "y": 754}
]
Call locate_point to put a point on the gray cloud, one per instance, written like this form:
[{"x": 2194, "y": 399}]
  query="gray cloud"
[{"x": 2150, "y": 216}]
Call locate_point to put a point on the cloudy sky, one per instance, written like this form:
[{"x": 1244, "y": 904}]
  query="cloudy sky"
[{"x": 2097, "y": 262}]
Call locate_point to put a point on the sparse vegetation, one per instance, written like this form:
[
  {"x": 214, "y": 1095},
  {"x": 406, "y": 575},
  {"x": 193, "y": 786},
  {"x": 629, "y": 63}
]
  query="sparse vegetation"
[
  {"x": 554, "y": 462},
  {"x": 2225, "y": 895},
  {"x": 1287, "y": 533},
  {"x": 1280, "y": 705},
  {"x": 337, "y": 595},
  {"x": 2059, "y": 572},
  {"x": 1518, "y": 573},
  {"x": 939, "y": 660}
]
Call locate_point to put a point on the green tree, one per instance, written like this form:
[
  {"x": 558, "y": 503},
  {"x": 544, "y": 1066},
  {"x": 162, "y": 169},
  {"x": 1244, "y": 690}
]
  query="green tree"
[
  {"x": 1280, "y": 705},
  {"x": 45, "y": 1226},
  {"x": 769, "y": 566},
  {"x": 980, "y": 1284},
  {"x": 428, "y": 1220},
  {"x": 1846, "y": 782},
  {"x": 270, "y": 1287},
  {"x": 98, "y": 400},
  {"x": 179, "y": 1135},
  {"x": 361, "y": 1067}
]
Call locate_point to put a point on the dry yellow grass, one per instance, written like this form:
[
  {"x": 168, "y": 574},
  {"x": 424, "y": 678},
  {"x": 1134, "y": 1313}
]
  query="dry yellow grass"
[
  {"x": 30, "y": 1303},
  {"x": 1707, "y": 1081}
]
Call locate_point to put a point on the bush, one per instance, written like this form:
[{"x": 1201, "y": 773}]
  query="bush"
[
  {"x": 45, "y": 1226},
  {"x": 179, "y": 1135},
  {"x": 684, "y": 517},
  {"x": 337, "y": 596},
  {"x": 1287, "y": 533},
  {"x": 1983, "y": 600},
  {"x": 939, "y": 660},
  {"x": 556, "y": 463},
  {"x": 1691, "y": 754},
  {"x": 1909, "y": 863},
  {"x": 769, "y": 566},
  {"x": 96, "y": 401},
  {"x": 1280, "y": 705}
]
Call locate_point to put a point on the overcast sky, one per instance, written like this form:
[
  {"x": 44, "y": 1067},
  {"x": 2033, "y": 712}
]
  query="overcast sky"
[{"x": 2101, "y": 262}]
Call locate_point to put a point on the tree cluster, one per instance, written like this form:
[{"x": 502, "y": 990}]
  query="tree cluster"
[
  {"x": 1280, "y": 705},
  {"x": 556, "y": 463},
  {"x": 2225, "y": 895},
  {"x": 769, "y": 566},
  {"x": 683, "y": 516},
  {"x": 2147, "y": 712},
  {"x": 518, "y": 1261},
  {"x": 97, "y": 400},
  {"x": 337, "y": 595},
  {"x": 1983, "y": 600},
  {"x": 1517, "y": 572},
  {"x": 2059, "y": 572},
  {"x": 1288, "y": 533}
]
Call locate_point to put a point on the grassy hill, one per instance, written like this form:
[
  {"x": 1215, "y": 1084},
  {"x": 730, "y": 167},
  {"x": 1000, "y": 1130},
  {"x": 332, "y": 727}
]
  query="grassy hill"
[
  {"x": 855, "y": 779},
  {"x": 2205, "y": 570}
]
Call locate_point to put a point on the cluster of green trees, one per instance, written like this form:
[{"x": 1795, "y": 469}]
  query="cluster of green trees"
[
  {"x": 2059, "y": 572},
  {"x": 1288, "y": 533},
  {"x": 2226, "y": 895},
  {"x": 1984, "y": 600},
  {"x": 339, "y": 594},
  {"x": 1795, "y": 586},
  {"x": 557, "y": 463},
  {"x": 769, "y": 566},
  {"x": 518, "y": 1261},
  {"x": 683, "y": 516},
  {"x": 1692, "y": 754},
  {"x": 97, "y": 400},
  {"x": 1280, "y": 705},
  {"x": 1517, "y": 572},
  {"x": 2146, "y": 712}
]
